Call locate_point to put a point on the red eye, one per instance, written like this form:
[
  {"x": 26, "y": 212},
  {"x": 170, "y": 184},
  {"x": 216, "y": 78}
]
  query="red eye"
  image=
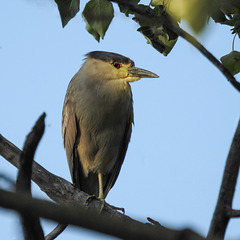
[{"x": 116, "y": 65}]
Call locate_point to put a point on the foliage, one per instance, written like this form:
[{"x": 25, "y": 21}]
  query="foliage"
[
  {"x": 232, "y": 62},
  {"x": 160, "y": 37},
  {"x": 98, "y": 15},
  {"x": 67, "y": 9},
  {"x": 195, "y": 12}
]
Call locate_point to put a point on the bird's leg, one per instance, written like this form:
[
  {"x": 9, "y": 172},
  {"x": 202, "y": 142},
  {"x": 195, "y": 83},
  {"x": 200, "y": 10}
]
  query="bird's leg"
[
  {"x": 100, "y": 182},
  {"x": 100, "y": 192},
  {"x": 101, "y": 196}
]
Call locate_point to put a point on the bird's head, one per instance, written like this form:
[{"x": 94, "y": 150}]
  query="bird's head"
[{"x": 107, "y": 66}]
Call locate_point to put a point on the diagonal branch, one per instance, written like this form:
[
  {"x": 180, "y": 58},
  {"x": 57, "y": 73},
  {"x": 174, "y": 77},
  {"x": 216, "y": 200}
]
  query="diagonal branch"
[
  {"x": 63, "y": 192},
  {"x": 166, "y": 22},
  {"x": 221, "y": 215},
  {"x": 124, "y": 228},
  {"x": 57, "y": 188}
]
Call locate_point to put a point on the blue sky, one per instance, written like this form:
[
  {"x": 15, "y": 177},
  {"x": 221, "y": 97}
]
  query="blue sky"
[{"x": 184, "y": 120}]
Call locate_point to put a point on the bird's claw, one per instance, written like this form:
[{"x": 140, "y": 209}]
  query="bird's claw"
[
  {"x": 89, "y": 198},
  {"x": 103, "y": 203},
  {"x": 116, "y": 208}
]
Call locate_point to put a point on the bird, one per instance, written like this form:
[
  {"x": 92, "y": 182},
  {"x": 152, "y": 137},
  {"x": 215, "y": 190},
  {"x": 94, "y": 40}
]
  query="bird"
[{"x": 97, "y": 120}]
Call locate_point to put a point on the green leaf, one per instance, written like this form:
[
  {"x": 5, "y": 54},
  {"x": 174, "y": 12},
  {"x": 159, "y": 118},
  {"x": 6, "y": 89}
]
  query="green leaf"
[
  {"x": 195, "y": 12},
  {"x": 67, "y": 9},
  {"x": 98, "y": 15},
  {"x": 92, "y": 32},
  {"x": 230, "y": 6},
  {"x": 234, "y": 21},
  {"x": 226, "y": 7},
  {"x": 160, "y": 37},
  {"x": 232, "y": 62},
  {"x": 124, "y": 9},
  {"x": 157, "y": 2}
]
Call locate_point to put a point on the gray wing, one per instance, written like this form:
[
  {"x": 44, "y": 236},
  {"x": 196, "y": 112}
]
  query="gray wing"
[
  {"x": 71, "y": 134},
  {"x": 112, "y": 176}
]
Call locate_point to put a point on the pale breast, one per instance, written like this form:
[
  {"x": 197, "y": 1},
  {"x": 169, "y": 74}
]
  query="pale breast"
[{"x": 103, "y": 112}]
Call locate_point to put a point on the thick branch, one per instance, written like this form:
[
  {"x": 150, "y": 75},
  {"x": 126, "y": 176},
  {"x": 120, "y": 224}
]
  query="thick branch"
[
  {"x": 57, "y": 188},
  {"x": 166, "y": 22},
  {"x": 124, "y": 228},
  {"x": 63, "y": 192},
  {"x": 221, "y": 217}
]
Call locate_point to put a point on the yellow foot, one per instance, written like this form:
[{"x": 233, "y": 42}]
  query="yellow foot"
[
  {"x": 89, "y": 198},
  {"x": 103, "y": 203},
  {"x": 116, "y": 208}
]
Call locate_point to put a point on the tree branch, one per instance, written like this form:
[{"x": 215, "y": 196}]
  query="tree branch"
[
  {"x": 31, "y": 223},
  {"x": 56, "y": 231},
  {"x": 57, "y": 188},
  {"x": 64, "y": 193},
  {"x": 124, "y": 228},
  {"x": 7, "y": 179},
  {"x": 166, "y": 22},
  {"x": 231, "y": 213},
  {"x": 23, "y": 183},
  {"x": 221, "y": 215}
]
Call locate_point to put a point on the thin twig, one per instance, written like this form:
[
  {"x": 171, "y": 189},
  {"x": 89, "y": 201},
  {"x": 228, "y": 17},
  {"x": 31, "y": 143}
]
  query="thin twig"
[
  {"x": 56, "y": 231},
  {"x": 231, "y": 213},
  {"x": 154, "y": 222},
  {"x": 7, "y": 179}
]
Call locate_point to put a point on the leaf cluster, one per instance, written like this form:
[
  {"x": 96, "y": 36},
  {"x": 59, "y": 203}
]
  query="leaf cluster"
[
  {"x": 98, "y": 15},
  {"x": 227, "y": 12}
]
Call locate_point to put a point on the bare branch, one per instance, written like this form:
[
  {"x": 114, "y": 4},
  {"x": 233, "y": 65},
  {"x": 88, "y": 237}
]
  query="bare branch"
[
  {"x": 166, "y": 22},
  {"x": 221, "y": 217},
  {"x": 57, "y": 188},
  {"x": 31, "y": 224},
  {"x": 7, "y": 179},
  {"x": 124, "y": 228},
  {"x": 231, "y": 213},
  {"x": 64, "y": 193},
  {"x": 56, "y": 231},
  {"x": 23, "y": 183},
  {"x": 154, "y": 222}
]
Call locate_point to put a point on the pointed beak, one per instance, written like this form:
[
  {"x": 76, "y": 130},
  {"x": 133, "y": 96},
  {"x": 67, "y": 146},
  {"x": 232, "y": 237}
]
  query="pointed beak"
[{"x": 141, "y": 73}]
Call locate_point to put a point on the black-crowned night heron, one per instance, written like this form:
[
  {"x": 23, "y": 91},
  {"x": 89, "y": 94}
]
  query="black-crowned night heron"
[{"x": 97, "y": 120}]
